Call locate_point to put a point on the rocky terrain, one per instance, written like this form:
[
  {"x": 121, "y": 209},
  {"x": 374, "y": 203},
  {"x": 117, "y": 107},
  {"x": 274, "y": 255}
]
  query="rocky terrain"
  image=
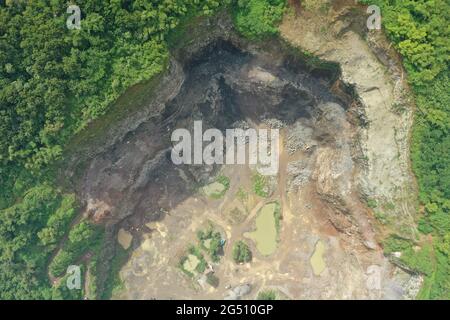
[
  {"x": 343, "y": 143},
  {"x": 373, "y": 69}
]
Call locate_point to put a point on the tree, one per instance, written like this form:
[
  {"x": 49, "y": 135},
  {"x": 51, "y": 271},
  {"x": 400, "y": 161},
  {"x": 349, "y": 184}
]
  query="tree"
[{"x": 241, "y": 252}]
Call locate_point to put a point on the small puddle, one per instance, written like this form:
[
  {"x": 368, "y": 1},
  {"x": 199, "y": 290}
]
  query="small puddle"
[
  {"x": 124, "y": 238},
  {"x": 265, "y": 235},
  {"x": 317, "y": 260}
]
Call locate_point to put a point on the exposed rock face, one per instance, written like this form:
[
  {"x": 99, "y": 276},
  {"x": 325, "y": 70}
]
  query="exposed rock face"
[
  {"x": 300, "y": 137},
  {"x": 244, "y": 89},
  {"x": 375, "y": 71},
  {"x": 377, "y": 76}
]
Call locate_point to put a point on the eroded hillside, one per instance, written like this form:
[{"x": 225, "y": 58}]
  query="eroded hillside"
[{"x": 343, "y": 147}]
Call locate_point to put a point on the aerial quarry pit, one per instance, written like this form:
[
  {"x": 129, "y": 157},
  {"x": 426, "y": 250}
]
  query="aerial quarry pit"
[{"x": 309, "y": 228}]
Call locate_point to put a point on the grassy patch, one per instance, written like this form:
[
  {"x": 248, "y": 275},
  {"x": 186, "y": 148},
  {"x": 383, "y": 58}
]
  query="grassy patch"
[
  {"x": 260, "y": 185},
  {"x": 382, "y": 217},
  {"x": 181, "y": 263},
  {"x": 217, "y": 189},
  {"x": 267, "y": 295},
  {"x": 82, "y": 237},
  {"x": 242, "y": 195},
  {"x": 395, "y": 244},
  {"x": 258, "y": 19}
]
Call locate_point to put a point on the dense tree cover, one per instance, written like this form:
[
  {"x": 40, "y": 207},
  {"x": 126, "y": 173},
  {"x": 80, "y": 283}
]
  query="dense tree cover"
[
  {"x": 258, "y": 18},
  {"x": 420, "y": 31},
  {"x": 241, "y": 252},
  {"x": 61, "y": 292},
  {"x": 53, "y": 83},
  {"x": 27, "y": 237},
  {"x": 215, "y": 247},
  {"x": 82, "y": 237},
  {"x": 113, "y": 282}
]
